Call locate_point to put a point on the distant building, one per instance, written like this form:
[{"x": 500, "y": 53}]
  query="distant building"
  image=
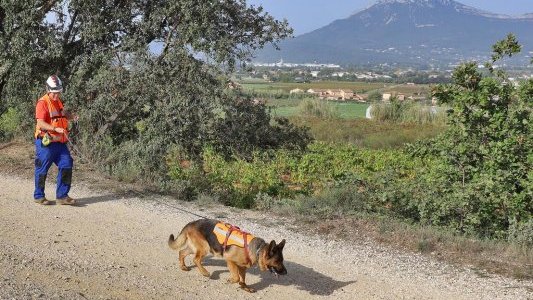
[
  {"x": 337, "y": 95},
  {"x": 343, "y": 94},
  {"x": 400, "y": 97},
  {"x": 296, "y": 91},
  {"x": 386, "y": 97},
  {"x": 332, "y": 94},
  {"x": 359, "y": 98},
  {"x": 338, "y": 74},
  {"x": 316, "y": 92}
]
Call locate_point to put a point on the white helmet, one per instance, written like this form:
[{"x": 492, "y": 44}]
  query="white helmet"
[{"x": 54, "y": 84}]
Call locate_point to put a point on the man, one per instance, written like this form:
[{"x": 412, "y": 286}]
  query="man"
[{"x": 51, "y": 137}]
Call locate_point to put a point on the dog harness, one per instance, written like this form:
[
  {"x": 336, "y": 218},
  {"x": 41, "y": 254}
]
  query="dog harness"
[{"x": 229, "y": 235}]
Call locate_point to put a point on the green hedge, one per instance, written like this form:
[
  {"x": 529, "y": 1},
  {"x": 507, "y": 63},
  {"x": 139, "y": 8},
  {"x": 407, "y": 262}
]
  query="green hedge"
[{"x": 340, "y": 179}]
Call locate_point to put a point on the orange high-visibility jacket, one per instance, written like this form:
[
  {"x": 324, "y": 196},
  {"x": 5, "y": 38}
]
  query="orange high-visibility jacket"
[{"x": 57, "y": 119}]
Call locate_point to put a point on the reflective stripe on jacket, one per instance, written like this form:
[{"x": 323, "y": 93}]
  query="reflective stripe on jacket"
[{"x": 236, "y": 237}]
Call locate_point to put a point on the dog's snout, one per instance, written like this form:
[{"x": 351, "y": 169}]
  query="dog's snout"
[{"x": 283, "y": 271}]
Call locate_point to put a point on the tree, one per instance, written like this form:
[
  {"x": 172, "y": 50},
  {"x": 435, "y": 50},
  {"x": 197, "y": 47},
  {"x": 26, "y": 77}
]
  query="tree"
[
  {"x": 484, "y": 178},
  {"x": 124, "y": 93},
  {"x": 375, "y": 97}
]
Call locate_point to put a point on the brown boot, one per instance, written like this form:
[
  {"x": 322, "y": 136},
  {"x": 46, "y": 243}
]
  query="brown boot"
[
  {"x": 66, "y": 201},
  {"x": 43, "y": 201}
]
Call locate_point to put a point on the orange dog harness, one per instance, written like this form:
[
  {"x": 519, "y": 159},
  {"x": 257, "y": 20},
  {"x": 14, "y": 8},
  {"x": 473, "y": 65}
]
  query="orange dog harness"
[{"x": 229, "y": 235}]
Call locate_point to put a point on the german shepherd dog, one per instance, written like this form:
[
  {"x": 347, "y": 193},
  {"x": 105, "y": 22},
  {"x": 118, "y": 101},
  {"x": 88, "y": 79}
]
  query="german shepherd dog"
[{"x": 198, "y": 238}]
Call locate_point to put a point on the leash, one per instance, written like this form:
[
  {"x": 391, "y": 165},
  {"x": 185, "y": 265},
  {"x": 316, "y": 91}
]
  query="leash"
[{"x": 181, "y": 209}]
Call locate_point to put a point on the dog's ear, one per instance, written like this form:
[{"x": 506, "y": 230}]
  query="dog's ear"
[
  {"x": 271, "y": 247},
  {"x": 281, "y": 245}
]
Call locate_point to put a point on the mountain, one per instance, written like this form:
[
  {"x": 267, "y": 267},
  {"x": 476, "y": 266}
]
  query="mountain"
[{"x": 419, "y": 32}]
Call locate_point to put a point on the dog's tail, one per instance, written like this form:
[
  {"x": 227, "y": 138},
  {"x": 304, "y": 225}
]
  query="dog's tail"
[{"x": 177, "y": 243}]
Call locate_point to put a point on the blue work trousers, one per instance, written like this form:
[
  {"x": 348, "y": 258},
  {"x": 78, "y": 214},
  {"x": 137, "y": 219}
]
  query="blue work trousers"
[{"x": 58, "y": 154}]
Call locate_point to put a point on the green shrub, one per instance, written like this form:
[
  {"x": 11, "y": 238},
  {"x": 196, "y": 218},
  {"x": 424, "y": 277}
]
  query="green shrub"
[
  {"x": 423, "y": 114},
  {"x": 244, "y": 179},
  {"x": 317, "y": 108},
  {"x": 407, "y": 112},
  {"x": 391, "y": 112},
  {"x": 10, "y": 123},
  {"x": 482, "y": 177},
  {"x": 330, "y": 180},
  {"x": 368, "y": 133},
  {"x": 285, "y": 174},
  {"x": 521, "y": 233},
  {"x": 375, "y": 97}
]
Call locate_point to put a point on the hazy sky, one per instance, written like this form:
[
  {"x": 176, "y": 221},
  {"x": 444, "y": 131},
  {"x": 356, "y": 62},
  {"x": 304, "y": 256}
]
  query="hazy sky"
[{"x": 307, "y": 15}]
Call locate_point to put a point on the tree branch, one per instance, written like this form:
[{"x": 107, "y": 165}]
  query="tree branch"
[
  {"x": 66, "y": 37},
  {"x": 2, "y": 18},
  {"x": 45, "y": 8}
]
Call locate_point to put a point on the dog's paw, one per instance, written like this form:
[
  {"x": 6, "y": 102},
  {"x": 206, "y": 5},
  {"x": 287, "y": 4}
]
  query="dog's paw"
[
  {"x": 206, "y": 274},
  {"x": 185, "y": 268},
  {"x": 233, "y": 280},
  {"x": 248, "y": 289}
]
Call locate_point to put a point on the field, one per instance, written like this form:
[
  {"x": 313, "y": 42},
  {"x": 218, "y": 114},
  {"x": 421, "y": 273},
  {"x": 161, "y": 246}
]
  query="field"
[
  {"x": 368, "y": 133},
  {"x": 346, "y": 110},
  {"x": 277, "y": 95},
  {"x": 419, "y": 89},
  {"x": 349, "y": 124},
  {"x": 360, "y": 87}
]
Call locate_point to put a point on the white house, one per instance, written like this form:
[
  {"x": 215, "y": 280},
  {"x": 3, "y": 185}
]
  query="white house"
[{"x": 296, "y": 91}]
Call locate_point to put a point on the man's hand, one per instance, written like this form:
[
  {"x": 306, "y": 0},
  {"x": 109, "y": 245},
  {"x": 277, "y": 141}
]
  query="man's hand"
[{"x": 59, "y": 130}]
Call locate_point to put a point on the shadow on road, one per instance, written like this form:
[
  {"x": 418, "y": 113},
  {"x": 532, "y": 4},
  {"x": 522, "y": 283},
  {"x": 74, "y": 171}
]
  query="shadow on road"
[
  {"x": 81, "y": 202},
  {"x": 302, "y": 277}
]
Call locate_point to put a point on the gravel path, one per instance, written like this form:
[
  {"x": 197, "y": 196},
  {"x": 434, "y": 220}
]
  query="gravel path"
[{"x": 115, "y": 247}]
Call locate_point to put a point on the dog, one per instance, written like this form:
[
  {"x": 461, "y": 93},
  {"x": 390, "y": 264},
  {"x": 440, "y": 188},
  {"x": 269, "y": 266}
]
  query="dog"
[{"x": 240, "y": 249}]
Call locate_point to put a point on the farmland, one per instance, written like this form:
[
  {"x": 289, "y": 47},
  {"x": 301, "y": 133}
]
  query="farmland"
[
  {"x": 360, "y": 87},
  {"x": 345, "y": 110},
  {"x": 277, "y": 95}
]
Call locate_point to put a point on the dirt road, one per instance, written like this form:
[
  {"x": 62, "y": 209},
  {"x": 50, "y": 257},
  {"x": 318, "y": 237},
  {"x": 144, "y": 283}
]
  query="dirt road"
[{"x": 115, "y": 247}]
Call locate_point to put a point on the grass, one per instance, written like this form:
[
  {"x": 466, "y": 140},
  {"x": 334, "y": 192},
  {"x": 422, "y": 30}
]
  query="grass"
[
  {"x": 407, "y": 112},
  {"x": 410, "y": 89},
  {"x": 317, "y": 108},
  {"x": 346, "y": 110},
  {"x": 285, "y": 111},
  {"x": 350, "y": 110},
  {"x": 368, "y": 133},
  {"x": 352, "y": 127}
]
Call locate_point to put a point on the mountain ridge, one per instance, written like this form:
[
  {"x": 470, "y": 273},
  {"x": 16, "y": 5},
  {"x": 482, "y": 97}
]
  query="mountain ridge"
[{"x": 406, "y": 31}]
